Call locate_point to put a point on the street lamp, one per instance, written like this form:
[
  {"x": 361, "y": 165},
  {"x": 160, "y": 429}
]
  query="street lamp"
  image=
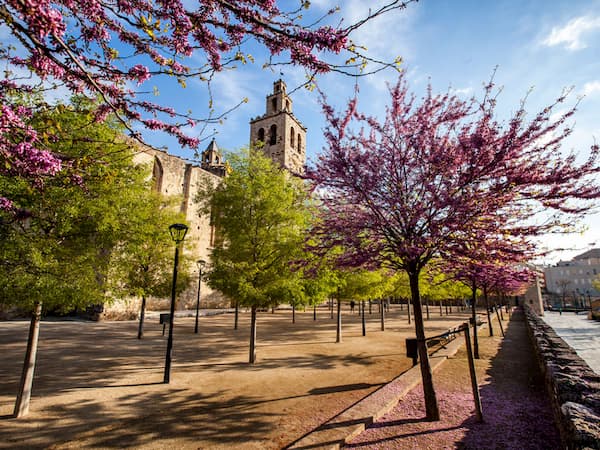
[
  {"x": 201, "y": 263},
  {"x": 178, "y": 232}
]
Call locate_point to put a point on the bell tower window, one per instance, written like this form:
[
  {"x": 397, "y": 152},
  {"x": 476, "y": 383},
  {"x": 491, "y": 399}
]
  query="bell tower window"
[
  {"x": 261, "y": 134},
  {"x": 273, "y": 135},
  {"x": 292, "y": 137},
  {"x": 299, "y": 143}
]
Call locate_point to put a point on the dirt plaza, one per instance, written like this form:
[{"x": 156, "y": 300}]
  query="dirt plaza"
[{"x": 97, "y": 385}]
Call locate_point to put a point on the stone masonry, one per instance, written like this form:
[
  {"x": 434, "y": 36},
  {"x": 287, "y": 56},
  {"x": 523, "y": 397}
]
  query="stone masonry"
[
  {"x": 573, "y": 387},
  {"x": 279, "y": 133}
]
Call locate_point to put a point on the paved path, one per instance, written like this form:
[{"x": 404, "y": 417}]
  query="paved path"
[
  {"x": 580, "y": 333},
  {"x": 516, "y": 411}
]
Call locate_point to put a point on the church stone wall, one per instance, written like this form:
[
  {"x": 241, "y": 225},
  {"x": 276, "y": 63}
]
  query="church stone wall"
[{"x": 174, "y": 176}]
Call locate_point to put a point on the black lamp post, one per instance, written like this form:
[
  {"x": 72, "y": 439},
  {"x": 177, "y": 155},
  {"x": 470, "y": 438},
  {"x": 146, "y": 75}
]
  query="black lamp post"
[
  {"x": 178, "y": 231},
  {"x": 201, "y": 263}
]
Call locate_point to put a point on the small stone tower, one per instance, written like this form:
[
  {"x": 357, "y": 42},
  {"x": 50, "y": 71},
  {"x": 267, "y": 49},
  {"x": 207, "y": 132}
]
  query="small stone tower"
[
  {"x": 212, "y": 160},
  {"x": 280, "y": 135}
]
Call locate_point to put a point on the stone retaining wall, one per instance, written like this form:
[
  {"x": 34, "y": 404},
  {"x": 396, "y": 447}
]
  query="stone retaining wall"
[{"x": 573, "y": 387}]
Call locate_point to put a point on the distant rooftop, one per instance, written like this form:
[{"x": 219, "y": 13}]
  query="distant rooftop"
[{"x": 593, "y": 253}]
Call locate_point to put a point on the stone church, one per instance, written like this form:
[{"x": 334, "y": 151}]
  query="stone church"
[{"x": 278, "y": 133}]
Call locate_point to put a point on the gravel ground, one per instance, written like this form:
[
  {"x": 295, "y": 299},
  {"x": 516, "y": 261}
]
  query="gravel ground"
[{"x": 97, "y": 386}]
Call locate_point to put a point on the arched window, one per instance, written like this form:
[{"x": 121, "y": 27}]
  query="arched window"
[
  {"x": 287, "y": 105},
  {"x": 299, "y": 143},
  {"x": 274, "y": 104},
  {"x": 292, "y": 137},
  {"x": 261, "y": 134},
  {"x": 273, "y": 135},
  {"x": 157, "y": 175}
]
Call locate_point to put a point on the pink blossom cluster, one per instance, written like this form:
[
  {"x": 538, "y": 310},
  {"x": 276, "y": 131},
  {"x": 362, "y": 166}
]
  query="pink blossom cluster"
[
  {"x": 6, "y": 204},
  {"x": 42, "y": 18},
  {"x": 139, "y": 73},
  {"x": 18, "y": 152}
]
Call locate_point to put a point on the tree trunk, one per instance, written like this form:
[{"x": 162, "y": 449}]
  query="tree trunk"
[
  {"x": 473, "y": 373},
  {"x": 252, "y": 359},
  {"x": 331, "y": 307},
  {"x": 487, "y": 308},
  {"x": 408, "y": 310},
  {"x": 382, "y": 319},
  {"x": 293, "y": 313},
  {"x": 431, "y": 405},
  {"x": 142, "y": 315},
  {"x": 364, "y": 319},
  {"x": 315, "y": 312},
  {"x": 24, "y": 395},
  {"x": 500, "y": 321},
  {"x": 236, "y": 315},
  {"x": 474, "y": 320},
  {"x": 338, "y": 334}
]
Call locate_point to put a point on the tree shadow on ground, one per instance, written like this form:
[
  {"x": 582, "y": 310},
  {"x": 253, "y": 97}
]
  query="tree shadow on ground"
[{"x": 145, "y": 417}]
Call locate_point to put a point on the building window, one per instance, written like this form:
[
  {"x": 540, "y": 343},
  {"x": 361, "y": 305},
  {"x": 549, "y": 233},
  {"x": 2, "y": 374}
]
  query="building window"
[
  {"x": 261, "y": 135},
  {"x": 274, "y": 104},
  {"x": 273, "y": 135},
  {"x": 292, "y": 137},
  {"x": 287, "y": 105},
  {"x": 157, "y": 175},
  {"x": 299, "y": 143}
]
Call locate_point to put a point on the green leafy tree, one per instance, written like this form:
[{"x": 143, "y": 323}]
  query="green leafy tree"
[
  {"x": 596, "y": 282},
  {"x": 57, "y": 248},
  {"x": 319, "y": 286},
  {"x": 143, "y": 263},
  {"x": 262, "y": 213}
]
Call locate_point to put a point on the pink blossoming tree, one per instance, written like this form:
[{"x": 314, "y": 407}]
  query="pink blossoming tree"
[
  {"x": 107, "y": 49},
  {"x": 437, "y": 172}
]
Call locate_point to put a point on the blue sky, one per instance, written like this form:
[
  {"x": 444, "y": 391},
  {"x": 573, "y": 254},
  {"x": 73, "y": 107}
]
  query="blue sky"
[{"x": 545, "y": 45}]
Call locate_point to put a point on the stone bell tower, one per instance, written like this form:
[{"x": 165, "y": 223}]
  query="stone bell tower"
[{"x": 279, "y": 133}]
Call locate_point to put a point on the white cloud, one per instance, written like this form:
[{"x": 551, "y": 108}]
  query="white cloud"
[
  {"x": 571, "y": 35},
  {"x": 462, "y": 91},
  {"x": 591, "y": 88}
]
